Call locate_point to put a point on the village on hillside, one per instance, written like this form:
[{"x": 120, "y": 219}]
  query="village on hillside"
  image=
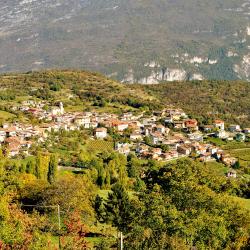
[{"x": 165, "y": 135}]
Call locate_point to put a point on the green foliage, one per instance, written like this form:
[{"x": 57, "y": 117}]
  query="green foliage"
[{"x": 53, "y": 169}]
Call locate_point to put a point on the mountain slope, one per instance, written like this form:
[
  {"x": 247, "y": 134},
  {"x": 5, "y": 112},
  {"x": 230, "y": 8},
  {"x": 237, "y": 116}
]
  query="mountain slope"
[{"x": 133, "y": 41}]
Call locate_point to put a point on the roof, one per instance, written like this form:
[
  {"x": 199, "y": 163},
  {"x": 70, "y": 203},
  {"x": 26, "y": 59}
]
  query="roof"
[
  {"x": 13, "y": 139},
  {"x": 218, "y": 121},
  {"x": 101, "y": 130}
]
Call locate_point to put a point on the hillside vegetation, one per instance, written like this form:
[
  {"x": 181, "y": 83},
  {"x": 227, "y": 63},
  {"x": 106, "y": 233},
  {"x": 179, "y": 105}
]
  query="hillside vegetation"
[{"x": 206, "y": 100}]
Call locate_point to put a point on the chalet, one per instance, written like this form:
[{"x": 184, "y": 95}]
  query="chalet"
[
  {"x": 219, "y": 124},
  {"x": 93, "y": 124},
  {"x": 213, "y": 150},
  {"x": 101, "y": 133},
  {"x": 160, "y": 113},
  {"x": 199, "y": 149}
]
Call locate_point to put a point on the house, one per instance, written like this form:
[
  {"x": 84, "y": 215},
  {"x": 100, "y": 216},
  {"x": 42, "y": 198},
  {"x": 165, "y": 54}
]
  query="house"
[
  {"x": 228, "y": 160},
  {"x": 13, "y": 149},
  {"x": 156, "y": 151},
  {"x": 184, "y": 149},
  {"x": 173, "y": 154},
  {"x": 205, "y": 157},
  {"x": 219, "y": 124},
  {"x": 179, "y": 124},
  {"x": 160, "y": 128},
  {"x": 246, "y": 130},
  {"x": 197, "y": 136},
  {"x": 57, "y": 110},
  {"x": 191, "y": 124},
  {"x": 123, "y": 148},
  {"x": 83, "y": 121},
  {"x": 11, "y": 140},
  {"x": 208, "y": 128},
  {"x": 11, "y": 131},
  {"x": 213, "y": 150},
  {"x": 169, "y": 119},
  {"x": 142, "y": 148},
  {"x": 101, "y": 133},
  {"x": 127, "y": 116},
  {"x": 119, "y": 125},
  {"x": 160, "y": 113},
  {"x": 232, "y": 174},
  {"x": 234, "y": 128},
  {"x": 222, "y": 134},
  {"x": 136, "y": 137},
  {"x": 2, "y": 135},
  {"x": 240, "y": 137},
  {"x": 156, "y": 137}
]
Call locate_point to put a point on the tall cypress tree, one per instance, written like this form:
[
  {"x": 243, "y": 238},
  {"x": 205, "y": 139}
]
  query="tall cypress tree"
[
  {"x": 53, "y": 167},
  {"x": 30, "y": 167}
]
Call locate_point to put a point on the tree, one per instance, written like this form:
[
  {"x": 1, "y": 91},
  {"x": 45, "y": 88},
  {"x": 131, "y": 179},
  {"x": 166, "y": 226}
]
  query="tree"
[
  {"x": 41, "y": 167},
  {"x": 74, "y": 235},
  {"x": 30, "y": 167},
  {"x": 118, "y": 208},
  {"x": 53, "y": 168}
]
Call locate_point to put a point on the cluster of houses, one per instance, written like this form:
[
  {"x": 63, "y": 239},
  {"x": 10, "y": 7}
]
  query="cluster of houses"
[{"x": 150, "y": 137}]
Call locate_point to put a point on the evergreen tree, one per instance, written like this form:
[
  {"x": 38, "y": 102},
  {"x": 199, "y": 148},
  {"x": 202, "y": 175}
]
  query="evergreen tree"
[
  {"x": 30, "y": 167},
  {"x": 22, "y": 168},
  {"x": 53, "y": 167},
  {"x": 118, "y": 208}
]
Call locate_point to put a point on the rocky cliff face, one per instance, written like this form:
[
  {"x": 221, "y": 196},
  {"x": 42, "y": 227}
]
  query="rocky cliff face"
[{"x": 132, "y": 40}]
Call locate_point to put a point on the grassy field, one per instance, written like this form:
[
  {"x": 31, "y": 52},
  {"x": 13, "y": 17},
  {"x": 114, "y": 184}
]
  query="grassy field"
[
  {"x": 217, "y": 168},
  {"x": 243, "y": 154}
]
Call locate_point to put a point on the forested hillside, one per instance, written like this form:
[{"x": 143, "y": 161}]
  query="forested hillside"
[{"x": 205, "y": 100}]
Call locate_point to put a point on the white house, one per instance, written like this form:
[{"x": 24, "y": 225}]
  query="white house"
[
  {"x": 219, "y": 124},
  {"x": 101, "y": 133}
]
